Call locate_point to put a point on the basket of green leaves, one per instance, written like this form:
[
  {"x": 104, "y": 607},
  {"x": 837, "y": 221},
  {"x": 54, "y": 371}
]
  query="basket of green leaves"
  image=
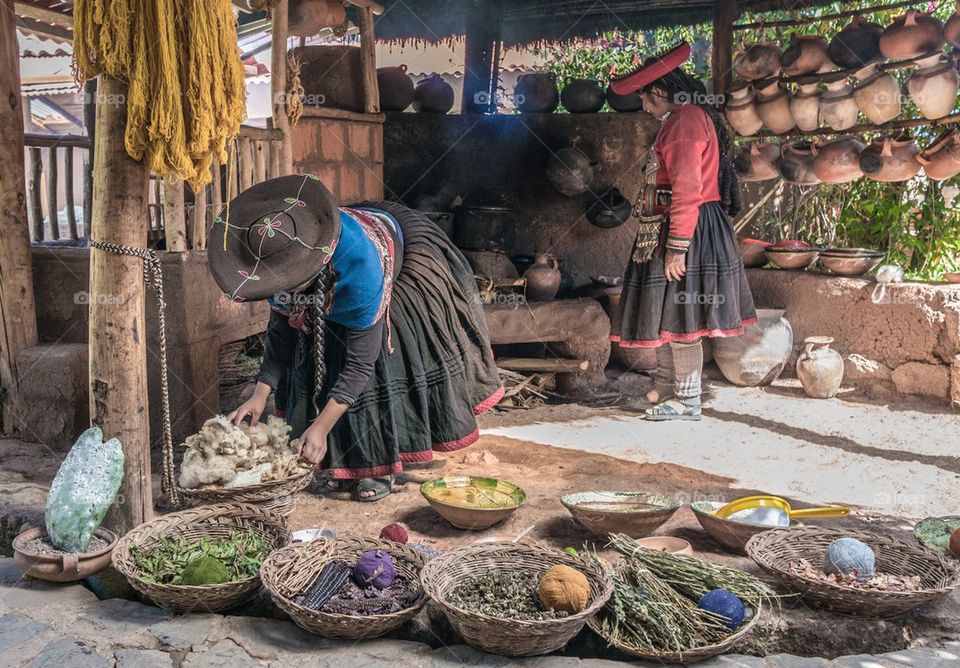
[{"x": 201, "y": 559}]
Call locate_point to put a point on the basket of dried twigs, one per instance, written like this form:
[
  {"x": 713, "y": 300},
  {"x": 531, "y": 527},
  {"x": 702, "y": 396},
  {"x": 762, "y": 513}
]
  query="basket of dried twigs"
[
  {"x": 289, "y": 574},
  {"x": 279, "y": 496},
  {"x": 922, "y": 575},
  {"x": 193, "y": 526}
]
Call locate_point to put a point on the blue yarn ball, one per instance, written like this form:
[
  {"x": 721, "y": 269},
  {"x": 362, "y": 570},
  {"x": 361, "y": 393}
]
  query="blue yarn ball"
[
  {"x": 849, "y": 555},
  {"x": 724, "y": 604}
]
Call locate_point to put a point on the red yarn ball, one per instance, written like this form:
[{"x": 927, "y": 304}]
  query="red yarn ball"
[{"x": 394, "y": 532}]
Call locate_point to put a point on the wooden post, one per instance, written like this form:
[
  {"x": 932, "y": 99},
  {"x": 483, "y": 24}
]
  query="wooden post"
[
  {"x": 725, "y": 13},
  {"x": 90, "y": 125},
  {"x": 68, "y": 190},
  {"x": 199, "y": 230},
  {"x": 278, "y": 82},
  {"x": 52, "y": 185},
  {"x": 480, "y": 73},
  {"x": 118, "y": 343},
  {"x": 18, "y": 315},
  {"x": 368, "y": 61},
  {"x": 174, "y": 218},
  {"x": 36, "y": 201}
]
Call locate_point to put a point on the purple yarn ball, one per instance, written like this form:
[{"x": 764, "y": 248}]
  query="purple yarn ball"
[
  {"x": 849, "y": 555},
  {"x": 374, "y": 568},
  {"x": 724, "y": 604}
]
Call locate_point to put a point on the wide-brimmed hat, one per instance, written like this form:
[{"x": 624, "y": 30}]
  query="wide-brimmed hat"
[
  {"x": 652, "y": 69},
  {"x": 279, "y": 235}
]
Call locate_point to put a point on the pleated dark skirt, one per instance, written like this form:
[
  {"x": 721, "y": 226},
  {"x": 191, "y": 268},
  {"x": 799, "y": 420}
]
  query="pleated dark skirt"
[
  {"x": 712, "y": 300},
  {"x": 425, "y": 396}
]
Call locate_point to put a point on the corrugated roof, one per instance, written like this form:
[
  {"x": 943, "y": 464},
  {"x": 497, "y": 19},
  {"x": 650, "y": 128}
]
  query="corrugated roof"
[{"x": 37, "y": 46}]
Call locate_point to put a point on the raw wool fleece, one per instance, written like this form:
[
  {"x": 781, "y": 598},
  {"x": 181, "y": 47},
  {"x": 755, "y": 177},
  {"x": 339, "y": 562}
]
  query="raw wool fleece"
[{"x": 180, "y": 59}]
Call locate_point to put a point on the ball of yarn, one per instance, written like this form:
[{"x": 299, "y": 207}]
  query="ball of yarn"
[
  {"x": 724, "y": 604},
  {"x": 955, "y": 543},
  {"x": 394, "y": 532},
  {"x": 374, "y": 568},
  {"x": 204, "y": 571},
  {"x": 564, "y": 589},
  {"x": 850, "y": 556}
]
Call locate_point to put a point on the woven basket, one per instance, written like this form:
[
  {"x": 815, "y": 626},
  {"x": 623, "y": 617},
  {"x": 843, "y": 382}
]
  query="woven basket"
[
  {"x": 730, "y": 533},
  {"x": 510, "y": 637},
  {"x": 197, "y": 523},
  {"x": 279, "y": 496},
  {"x": 289, "y": 572},
  {"x": 775, "y": 549}
]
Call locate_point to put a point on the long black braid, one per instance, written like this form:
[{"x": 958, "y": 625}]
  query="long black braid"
[
  {"x": 679, "y": 87},
  {"x": 322, "y": 292}
]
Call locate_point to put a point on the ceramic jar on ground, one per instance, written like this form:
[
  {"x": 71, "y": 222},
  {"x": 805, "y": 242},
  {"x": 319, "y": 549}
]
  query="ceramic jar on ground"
[
  {"x": 433, "y": 95},
  {"x": 396, "y": 88},
  {"x": 820, "y": 368},
  {"x": 912, "y": 35},
  {"x": 805, "y": 54},
  {"x": 741, "y": 110},
  {"x": 877, "y": 94},
  {"x": 888, "y": 159},
  {"x": 838, "y": 160},
  {"x": 856, "y": 45},
  {"x": 942, "y": 160},
  {"x": 757, "y": 161},
  {"x": 805, "y": 105},
  {"x": 773, "y": 106},
  {"x": 543, "y": 278},
  {"x": 796, "y": 163},
  {"x": 758, "y": 356},
  {"x": 838, "y": 109},
  {"x": 933, "y": 87},
  {"x": 537, "y": 93},
  {"x": 582, "y": 96},
  {"x": 758, "y": 61}
]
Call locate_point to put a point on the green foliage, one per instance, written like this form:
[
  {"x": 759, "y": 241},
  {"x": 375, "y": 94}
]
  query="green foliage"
[
  {"x": 204, "y": 571},
  {"x": 240, "y": 554}
]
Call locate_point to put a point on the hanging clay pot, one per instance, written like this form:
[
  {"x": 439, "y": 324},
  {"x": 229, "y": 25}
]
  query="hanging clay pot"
[
  {"x": 951, "y": 30},
  {"x": 856, "y": 45},
  {"x": 757, "y": 161},
  {"x": 309, "y": 17},
  {"x": 758, "y": 61},
  {"x": 877, "y": 94},
  {"x": 838, "y": 160},
  {"x": 569, "y": 171},
  {"x": 537, "y": 93},
  {"x": 820, "y": 368},
  {"x": 582, "y": 96},
  {"x": 838, "y": 109},
  {"x": 433, "y": 95},
  {"x": 543, "y": 278},
  {"x": 741, "y": 110},
  {"x": 805, "y": 105},
  {"x": 624, "y": 103},
  {"x": 396, "y": 88},
  {"x": 806, "y": 54},
  {"x": 911, "y": 36},
  {"x": 889, "y": 159},
  {"x": 773, "y": 106},
  {"x": 942, "y": 160},
  {"x": 933, "y": 87},
  {"x": 796, "y": 163}
]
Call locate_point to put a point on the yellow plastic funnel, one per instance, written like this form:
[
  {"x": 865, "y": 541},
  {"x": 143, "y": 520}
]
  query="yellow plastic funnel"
[{"x": 780, "y": 509}]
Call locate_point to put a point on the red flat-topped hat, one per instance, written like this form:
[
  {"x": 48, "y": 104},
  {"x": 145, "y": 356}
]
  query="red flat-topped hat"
[{"x": 652, "y": 69}]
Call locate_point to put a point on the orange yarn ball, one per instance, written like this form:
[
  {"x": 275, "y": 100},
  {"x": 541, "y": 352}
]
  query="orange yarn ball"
[{"x": 565, "y": 589}]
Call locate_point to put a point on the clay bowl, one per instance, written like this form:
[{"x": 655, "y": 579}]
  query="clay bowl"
[
  {"x": 729, "y": 533},
  {"x": 473, "y": 503},
  {"x": 952, "y": 277},
  {"x": 62, "y": 567},
  {"x": 636, "y": 514},
  {"x": 752, "y": 252},
  {"x": 668, "y": 544},
  {"x": 850, "y": 261},
  {"x": 792, "y": 259}
]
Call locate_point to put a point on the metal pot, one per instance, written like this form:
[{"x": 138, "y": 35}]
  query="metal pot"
[
  {"x": 758, "y": 356},
  {"x": 396, "y": 88},
  {"x": 582, "y": 96},
  {"x": 483, "y": 227},
  {"x": 537, "y": 93},
  {"x": 819, "y": 367}
]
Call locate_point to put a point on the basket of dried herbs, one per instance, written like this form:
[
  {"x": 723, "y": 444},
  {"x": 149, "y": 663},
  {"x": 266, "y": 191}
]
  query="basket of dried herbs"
[
  {"x": 664, "y": 607},
  {"x": 346, "y": 587},
  {"x": 201, "y": 559}
]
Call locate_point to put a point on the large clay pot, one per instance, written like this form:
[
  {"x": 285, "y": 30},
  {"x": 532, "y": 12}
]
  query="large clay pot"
[
  {"x": 933, "y": 87},
  {"x": 582, "y": 96},
  {"x": 773, "y": 107},
  {"x": 741, "y": 110},
  {"x": 536, "y": 93},
  {"x": 796, "y": 163},
  {"x": 758, "y": 61},
  {"x": 757, "y": 161},
  {"x": 911, "y": 36},
  {"x": 888, "y": 159},
  {"x": 309, "y": 17},
  {"x": 838, "y": 160},
  {"x": 820, "y": 368},
  {"x": 396, "y": 88},
  {"x": 624, "y": 103},
  {"x": 856, "y": 45},
  {"x": 877, "y": 94},
  {"x": 951, "y": 30},
  {"x": 569, "y": 171},
  {"x": 805, "y": 54},
  {"x": 942, "y": 160},
  {"x": 492, "y": 263},
  {"x": 62, "y": 567},
  {"x": 433, "y": 95},
  {"x": 543, "y": 278},
  {"x": 805, "y": 105},
  {"x": 838, "y": 109},
  {"x": 758, "y": 356}
]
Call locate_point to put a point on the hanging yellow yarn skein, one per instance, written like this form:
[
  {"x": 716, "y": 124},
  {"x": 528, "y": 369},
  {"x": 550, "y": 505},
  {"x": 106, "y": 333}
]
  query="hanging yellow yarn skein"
[{"x": 180, "y": 59}]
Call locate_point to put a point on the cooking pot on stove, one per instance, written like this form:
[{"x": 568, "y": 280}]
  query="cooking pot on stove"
[{"x": 482, "y": 227}]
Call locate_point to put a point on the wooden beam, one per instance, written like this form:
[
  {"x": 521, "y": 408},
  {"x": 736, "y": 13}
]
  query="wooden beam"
[
  {"x": 174, "y": 218},
  {"x": 483, "y": 25},
  {"x": 368, "y": 62},
  {"x": 18, "y": 315},
  {"x": 43, "y": 14},
  {"x": 41, "y": 28},
  {"x": 90, "y": 125},
  {"x": 118, "y": 331},
  {"x": 725, "y": 12},
  {"x": 278, "y": 82},
  {"x": 199, "y": 226},
  {"x": 542, "y": 365}
]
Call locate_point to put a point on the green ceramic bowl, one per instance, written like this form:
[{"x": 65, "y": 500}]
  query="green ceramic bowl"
[
  {"x": 636, "y": 514},
  {"x": 470, "y": 502}
]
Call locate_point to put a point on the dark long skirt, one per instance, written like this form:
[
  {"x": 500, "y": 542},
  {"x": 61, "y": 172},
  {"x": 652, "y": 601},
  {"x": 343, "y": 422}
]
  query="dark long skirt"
[
  {"x": 426, "y": 395},
  {"x": 712, "y": 300}
]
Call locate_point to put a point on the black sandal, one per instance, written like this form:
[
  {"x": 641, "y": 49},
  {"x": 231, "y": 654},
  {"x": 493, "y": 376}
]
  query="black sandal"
[{"x": 381, "y": 488}]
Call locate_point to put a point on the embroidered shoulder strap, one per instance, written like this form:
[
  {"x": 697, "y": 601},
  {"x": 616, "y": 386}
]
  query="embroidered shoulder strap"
[{"x": 650, "y": 208}]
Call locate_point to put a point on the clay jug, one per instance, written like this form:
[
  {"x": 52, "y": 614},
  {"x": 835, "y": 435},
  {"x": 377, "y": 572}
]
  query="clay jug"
[
  {"x": 758, "y": 61},
  {"x": 624, "y": 103},
  {"x": 582, "y": 96},
  {"x": 805, "y": 105},
  {"x": 773, "y": 106},
  {"x": 796, "y": 163},
  {"x": 806, "y": 54},
  {"x": 942, "y": 160},
  {"x": 951, "y": 31},
  {"x": 888, "y": 159},
  {"x": 856, "y": 45},
  {"x": 741, "y": 110},
  {"x": 757, "y": 161},
  {"x": 838, "y": 109},
  {"x": 543, "y": 278},
  {"x": 819, "y": 367},
  {"x": 933, "y": 87},
  {"x": 396, "y": 88},
  {"x": 911, "y": 36},
  {"x": 433, "y": 95},
  {"x": 537, "y": 93},
  {"x": 877, "y": 94},
  {"x": 838, "y": 160}
]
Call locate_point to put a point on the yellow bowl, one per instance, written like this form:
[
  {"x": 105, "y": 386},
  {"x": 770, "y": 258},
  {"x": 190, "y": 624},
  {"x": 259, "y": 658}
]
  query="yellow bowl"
[{"x": 471, "y": 502}]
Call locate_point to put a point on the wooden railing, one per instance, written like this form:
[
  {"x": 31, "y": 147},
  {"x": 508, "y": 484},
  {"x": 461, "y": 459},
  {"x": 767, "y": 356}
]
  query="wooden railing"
[{"x": 48, "y": 185}]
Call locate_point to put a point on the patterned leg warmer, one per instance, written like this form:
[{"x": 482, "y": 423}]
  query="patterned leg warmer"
[
  {"x": 688, "y": 368},
  {"x": 663, "y": 376}
]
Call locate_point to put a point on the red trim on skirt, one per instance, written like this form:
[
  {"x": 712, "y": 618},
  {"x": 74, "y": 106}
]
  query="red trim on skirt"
[
  {"x": 489, "y": 402},
  {"x": 669, "y": 337},
  {"x": 458, "y": 444},
  {"x": 372, "y": 472}
]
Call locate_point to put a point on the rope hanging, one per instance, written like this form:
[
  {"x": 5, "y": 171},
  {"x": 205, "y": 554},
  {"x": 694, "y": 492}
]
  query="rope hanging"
[{"x": 180, "y": 60}]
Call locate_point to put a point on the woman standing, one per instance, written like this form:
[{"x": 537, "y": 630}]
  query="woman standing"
[
  {"x": 685, "y": 280},
  {"x": 377, "y": 345}
]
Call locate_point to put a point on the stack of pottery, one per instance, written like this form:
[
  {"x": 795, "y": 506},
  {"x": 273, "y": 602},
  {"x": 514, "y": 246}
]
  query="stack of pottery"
[
  {"x": 933, "y": 87},
  {"x": 433, "y": 95},
  {"x": 877, "y": 94},
  {"x": 838, "y": 160},
  {"x": 838, "y": 109},
  {"x": 537, "y": 93},
  {"x": 806, "y": 54},
  {"x": 741, "y": 110},
  {"x": 942, "y": 160},
  {"x": 890, "y": 159},
  {"x": 759, "y": 60},
  {"x": 911, "y": 36},
  {"x": 773, "y": 106},
  {"x": 582, "y": 96},
  {"x": 796, "y": 163},
  {"x": 757, "y": 161},
  {"x": 758, "y": 356},
  {"x": 396, "y": 88},
  {"x": 820, "y": 368},
  {"x": 805, "y": 105},
  {"x": 857, "y": 45}
]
